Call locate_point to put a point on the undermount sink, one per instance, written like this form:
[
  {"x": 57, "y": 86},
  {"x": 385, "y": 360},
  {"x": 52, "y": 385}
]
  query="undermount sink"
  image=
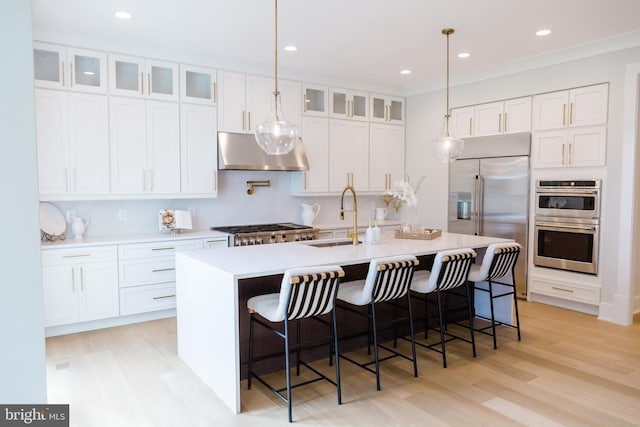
[{"x": 331, "y": 244}]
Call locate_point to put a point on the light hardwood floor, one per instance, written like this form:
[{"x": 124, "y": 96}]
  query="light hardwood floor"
[{"x": 570, "y": 369}]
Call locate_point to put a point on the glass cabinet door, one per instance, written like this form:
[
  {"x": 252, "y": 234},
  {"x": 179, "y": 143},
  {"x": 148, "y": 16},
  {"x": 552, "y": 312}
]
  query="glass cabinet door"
[
  {"x": 87, "y": 70},
  {"x": 162, "y": 80},
  {"x": 314, "y": 100},
  {"x": 49, "y": 65},
  {"x": 198, "y": 85},
  {"x": 359, "y": 106},
  {"x": 387, "y": 109},
  {"x": 346, "y": 104},
  {"x": 126, "y": 76}
]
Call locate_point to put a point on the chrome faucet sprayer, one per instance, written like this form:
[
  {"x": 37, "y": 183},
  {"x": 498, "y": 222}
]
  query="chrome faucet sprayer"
[{"x": 353, "y": 235}]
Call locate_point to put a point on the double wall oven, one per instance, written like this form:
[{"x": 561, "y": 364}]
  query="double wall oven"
[{"x": 567, "y": 225}]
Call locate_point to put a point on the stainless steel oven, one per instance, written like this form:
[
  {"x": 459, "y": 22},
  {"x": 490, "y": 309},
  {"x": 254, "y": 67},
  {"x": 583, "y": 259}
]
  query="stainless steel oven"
[{"x": 567, "y": 225}]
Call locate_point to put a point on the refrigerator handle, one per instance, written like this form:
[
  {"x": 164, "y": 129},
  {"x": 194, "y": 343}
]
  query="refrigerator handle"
[
  {"x": 480, "y": 205},
  {"x": 476, "y": 205}
]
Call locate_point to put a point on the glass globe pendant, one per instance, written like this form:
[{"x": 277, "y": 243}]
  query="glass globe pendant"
[
  {"x": 447, "y": 148},
  {"x": 277, "y": 135}
]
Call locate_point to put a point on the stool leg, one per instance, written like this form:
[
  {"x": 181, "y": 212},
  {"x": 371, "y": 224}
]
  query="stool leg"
[
  {"x": 469, "y": 288},
  {"x": 413, "y": 340},
  {"x": 369, "y": 336},
  {"x": 331, "y": 344},
  {"x": 375, "y": 344},
  {"x": 298, "y": 347},
  {"x": 287, "y": 366},
  {"x": 441, "y": 319},
  {"x": 515, "y": 303},
  {"x": 493, "y": 319},
  {"x": 250, "y": 351},
  {"x": 426, "y": 316},
  {"x": 337, "y": 354}
]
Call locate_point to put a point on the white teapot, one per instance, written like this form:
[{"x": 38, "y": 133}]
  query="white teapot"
[
  {"x": 78, "y": 226},
  {"x": 309, "y": 213}
]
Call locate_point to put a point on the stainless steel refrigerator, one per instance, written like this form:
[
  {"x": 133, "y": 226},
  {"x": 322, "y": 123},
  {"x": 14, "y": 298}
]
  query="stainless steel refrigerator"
[{"x": 489, "y": 193}]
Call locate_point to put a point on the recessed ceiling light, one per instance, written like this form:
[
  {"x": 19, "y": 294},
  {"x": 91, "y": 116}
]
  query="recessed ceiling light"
[
  {"x": 405, "y": 72},
  {"x": 464, "y": 55},
  {"x": 290, "y": 48},
  {"x": 543, "y": 32},
  {"x": 123, "y": 15},
  {"x": 88, "y": 73}
]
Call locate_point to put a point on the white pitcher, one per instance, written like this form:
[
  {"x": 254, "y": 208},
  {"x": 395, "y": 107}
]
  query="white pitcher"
[
  {"x": 78, "y": 226},
  {"x": 309, "y": 213}
]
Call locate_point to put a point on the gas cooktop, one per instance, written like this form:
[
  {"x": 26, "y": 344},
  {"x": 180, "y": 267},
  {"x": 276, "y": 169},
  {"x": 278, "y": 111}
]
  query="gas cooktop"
[
  {"x": 260, "y": 228},
  {"x": 258, "y": 234}
]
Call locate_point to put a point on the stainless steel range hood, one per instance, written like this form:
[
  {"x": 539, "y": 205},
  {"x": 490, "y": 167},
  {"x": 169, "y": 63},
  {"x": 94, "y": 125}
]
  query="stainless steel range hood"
[{"x": 239, "y": 151}]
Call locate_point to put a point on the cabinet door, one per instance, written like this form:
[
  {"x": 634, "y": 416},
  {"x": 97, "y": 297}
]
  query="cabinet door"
[
  {"x": 360, "y": 106},
  {"x": 461, "y": 122},
  {"x": 98, "y": 294},
  {"x": 49, "y": 66},
  {"x": 259, "y": 95},
  {"x": 587, "y": 146},
  {"x": 517, "y": 115},
  {"x": 126, "y": 76},
  {"x": 339, "y": 103},
  {"x": 231, "y": 102},
  {"x": 488, "y": 119},
  {"x": 197, "y": 85},
  {"x": 291, "y": 100},
  {"x": 60, "y": 295},
  {"x": 340, "y": 161},
  {"x": 315, "y": 100},
  {"x": 161, "y": 80},
  {"x": 386, "y": 109},
  {"x": 359, "y": 142},
  {"x": 52, "y": 123},
  {"x": 198, "y": 149},
  {"x": 88, "y": 144},
  {"x": 549, "y": 149},
  {"x": 127, "y": 125},
  {"x": 315, "y": 136},
  {"x": 87, "y": 70},
  {"x": 163, "y": 147},
  {"x": 550, "y": 110},
  {"x": 588, "y": 105},
  {"x": 386, "y": 148}
]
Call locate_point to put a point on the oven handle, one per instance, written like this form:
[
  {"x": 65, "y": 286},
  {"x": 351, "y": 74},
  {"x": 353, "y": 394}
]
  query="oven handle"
[
  {"x": 565, "y": 226},
  {"x": 564, "y": 191}
]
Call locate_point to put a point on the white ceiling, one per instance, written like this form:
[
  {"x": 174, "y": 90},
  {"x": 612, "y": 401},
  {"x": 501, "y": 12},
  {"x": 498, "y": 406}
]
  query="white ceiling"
[{"x": 360, "y": 43}]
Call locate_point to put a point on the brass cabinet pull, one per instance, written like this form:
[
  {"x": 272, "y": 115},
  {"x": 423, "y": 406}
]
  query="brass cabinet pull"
[
  {"x": 62, "y": 65},
  {"x": 571, "y": 113},
  {"x": 569, "y": 155},
  {"x": 499, "y": 122},
  {"x": 304, "y": 175},
  {"x": 75, "y": 256},
  {"x": 564, "y": 114},
  {"x": 249, "y": 120},
  {"x": 243, "y": 120},
  {"x": 505, "y": 122},
  {"x": 167, "y": 248},
  {"x": 562, "y": 154},
  {"x": 165, "y": 296},
  {"x": 73, "y": 280},
  {"x": 561, "y": 289},
  {"x": 304, "y": 103},
  {"x": 215, "y": 93},
  {"x": 81, "y": 279},
  {"x": 470, "y": 125},
  {"x": 141, "y": 83},
  {"x": 149, "y": 84},
  {"x": 71, "y": 74},
  {"x": 158, "y": 270}
]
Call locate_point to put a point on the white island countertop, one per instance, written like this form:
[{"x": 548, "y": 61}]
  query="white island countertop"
[{"x": 208, "y": 283}]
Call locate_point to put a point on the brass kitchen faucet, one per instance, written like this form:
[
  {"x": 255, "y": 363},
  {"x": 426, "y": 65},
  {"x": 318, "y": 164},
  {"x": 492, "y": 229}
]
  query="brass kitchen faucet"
[{"x": 353, "y": 235}]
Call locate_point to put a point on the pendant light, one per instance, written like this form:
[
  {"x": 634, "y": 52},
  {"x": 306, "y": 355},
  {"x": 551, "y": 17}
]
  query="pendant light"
[
  {"x": 276, "y": 135},
  {"x": 447, "y": 147}
]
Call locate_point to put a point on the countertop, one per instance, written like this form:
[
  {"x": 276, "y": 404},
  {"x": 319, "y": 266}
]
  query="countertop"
[{"x": 131, "y": 238}]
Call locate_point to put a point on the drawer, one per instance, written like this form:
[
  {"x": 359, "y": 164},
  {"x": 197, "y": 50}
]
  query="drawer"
[
  {"x": 73, "y": 256},
  {"x": 565, "y": 290},
  {"x": 215, "y": 243},
  {"x": 141, "y": 299},
  {"x": 157, "y": 249},
  {"x": 147, "y": 271}
]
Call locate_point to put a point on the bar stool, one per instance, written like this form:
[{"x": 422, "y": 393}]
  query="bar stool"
[
  {"x": 388, "y": 279},
  {"x": 498, "y": 262},
  {"x": 450, "y": 271},
  {"x": 304, "y": 293}
]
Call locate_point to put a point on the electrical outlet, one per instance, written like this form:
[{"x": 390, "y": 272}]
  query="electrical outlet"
[
  {"x": 122, "y": 215},
  {"x": 71, "y": 215},
  {"x": 192, "y": 209}
]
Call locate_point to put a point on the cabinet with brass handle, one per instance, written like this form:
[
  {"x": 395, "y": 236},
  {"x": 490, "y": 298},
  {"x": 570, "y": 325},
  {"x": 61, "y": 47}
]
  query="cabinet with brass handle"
[
  {"x": 198, "y": 85},
  {"x": 141, "y": 77},
  {"x": 584, "y": 146},
  {"x": 315, "y": 100},
  {"x": 386, "y": 109},
  {"x": 583, "y": 106},
  {"x": 497, "y": 118},
  {"x": 348, "y": 104}
]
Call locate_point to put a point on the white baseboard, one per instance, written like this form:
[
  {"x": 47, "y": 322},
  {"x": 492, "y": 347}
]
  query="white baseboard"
[
  {"x": 563, "y": 303},
  {"x": 618, "y": 311},
  {"x": 73, "y": 328}
]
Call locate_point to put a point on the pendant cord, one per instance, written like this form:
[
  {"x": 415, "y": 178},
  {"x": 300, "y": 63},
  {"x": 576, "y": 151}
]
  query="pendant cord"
[
  {"x": 447, "y": 32},
  {"x": 276, "y": 93}
]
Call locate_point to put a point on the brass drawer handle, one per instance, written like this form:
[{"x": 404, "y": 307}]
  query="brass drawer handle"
[
  {"x": 165, "y": 296},
  {"x": 75, "y": 256},
  {"x": 169, "y": 248},
  {"x": 158, "y": 270},
  {"x": 562, "y": 289}
]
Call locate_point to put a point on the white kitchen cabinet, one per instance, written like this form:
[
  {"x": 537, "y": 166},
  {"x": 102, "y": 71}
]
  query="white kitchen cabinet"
[
  {"x": 147, "y": 274},
  {"x": 59, "y": 67},
  {"x": 79, "y": 284},
  {"x": 198, "y": 150},
  {"x": 584, "y": 106},
  {"x": 386, "y": 109},
  {"x": 584, "y": 146},
  {"x": 461, "y": 122},
  {"x": 348, "y": 155},
  {"x": 315, "y": 136},
  {"x": 580, "y": 292},
  {"x": 245, "y": 101},
  {"x": 315, "y": 100},
  {"x": 386, "y": 154},
  {"x": 494, "y": 118},
  {"x": 217, "y": 242},
  {"x": 73, "y": 145},
  {"x": 145, "y": 146},
  {"x": 198, "y": 85},
  {"x": 143, "y": 78},
  {"x": 348, "y": 104}
]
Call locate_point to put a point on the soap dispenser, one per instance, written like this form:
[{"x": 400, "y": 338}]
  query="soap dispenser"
[
  {"x": 376, "y": 232},
  {"x": 370, "y": 233}
]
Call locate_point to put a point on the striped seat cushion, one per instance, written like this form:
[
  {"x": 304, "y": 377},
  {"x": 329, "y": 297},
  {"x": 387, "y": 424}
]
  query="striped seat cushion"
[
  {"x": 450, "y": 270},
  {"x": 497, "y": 263}
]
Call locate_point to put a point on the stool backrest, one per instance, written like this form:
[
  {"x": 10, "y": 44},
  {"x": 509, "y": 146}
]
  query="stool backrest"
[
  {"x": 310, "y": 291},
  {"x": 451, "y": 268},
  {"x": 499, "y": 260},
  {"x": 389, "y": 278}
]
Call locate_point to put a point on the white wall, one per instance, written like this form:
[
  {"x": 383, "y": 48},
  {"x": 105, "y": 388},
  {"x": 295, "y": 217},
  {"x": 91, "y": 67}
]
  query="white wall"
[
  {"x": 22, "y": 358},
  {"x": 424, "y": 118}
]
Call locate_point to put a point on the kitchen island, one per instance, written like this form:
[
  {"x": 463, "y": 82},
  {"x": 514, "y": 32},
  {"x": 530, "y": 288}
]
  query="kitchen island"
[{"x": 208, "y": 286}]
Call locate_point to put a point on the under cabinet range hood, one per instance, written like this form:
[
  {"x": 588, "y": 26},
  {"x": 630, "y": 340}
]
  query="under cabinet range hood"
[{"x": 239, "y": 151}]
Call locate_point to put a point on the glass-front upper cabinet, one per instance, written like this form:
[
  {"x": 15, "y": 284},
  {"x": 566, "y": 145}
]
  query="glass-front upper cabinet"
[
  {"x": 387, "y": 109},
  {"x": 198, "y": 85},
  {"x": 348, "y": 104},
  {"x": 143, "y": 78},
  {"x": 59, "y": 67},
  {"x": 315, "y": 99}
]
